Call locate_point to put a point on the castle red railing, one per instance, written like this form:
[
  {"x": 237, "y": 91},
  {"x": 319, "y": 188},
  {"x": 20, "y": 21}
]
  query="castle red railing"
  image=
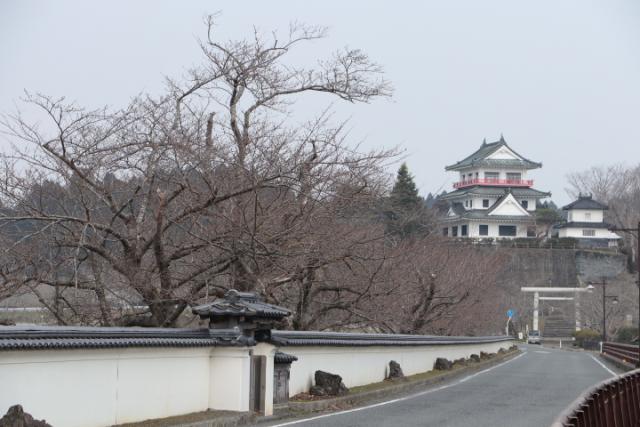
[{"x": 495, "y": 181}]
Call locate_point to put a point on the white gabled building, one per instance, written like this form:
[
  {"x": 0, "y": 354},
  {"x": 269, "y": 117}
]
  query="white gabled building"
[
  {"x": 493, "y": 197},
  {"x": 585, "y": 221}
]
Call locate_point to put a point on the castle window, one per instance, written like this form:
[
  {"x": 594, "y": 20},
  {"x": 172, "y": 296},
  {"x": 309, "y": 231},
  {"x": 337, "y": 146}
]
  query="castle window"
[
  {"x": 485, "y": 203},
  {"x": 589, "y": 233},
  {"x": 492, "y": 175},
  {"x": 454, "y": 231},
  {"x": 484, "y": 230},
  {"x": 507, "y": 230},
  {"x": 587, "y": 215},
  {"x": 471, "y": 203},
  {"x": 525, "y": 204},
  {"x": 514, "y": 176},
  {"x": 445, "y": 231},
  {"x": 464, "y": 230}
]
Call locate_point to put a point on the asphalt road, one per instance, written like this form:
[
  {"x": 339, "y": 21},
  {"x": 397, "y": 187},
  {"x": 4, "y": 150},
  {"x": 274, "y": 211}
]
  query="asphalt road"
[{"x": 529, "y": 390}]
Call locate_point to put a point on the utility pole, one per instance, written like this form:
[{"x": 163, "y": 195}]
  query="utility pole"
[
  {"x": 637, "y": 235},
  {"x": 604, "y": 305}
]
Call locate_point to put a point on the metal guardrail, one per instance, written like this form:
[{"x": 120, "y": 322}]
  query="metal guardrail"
[
  {"x": 625, "y": 353},
  {"x": 614, "y": 402}
]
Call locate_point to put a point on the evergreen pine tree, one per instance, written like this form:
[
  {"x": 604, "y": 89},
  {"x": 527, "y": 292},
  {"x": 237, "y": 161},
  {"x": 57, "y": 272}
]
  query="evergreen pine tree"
[
  {"x": 405, "y": 214},
  {"x": 404, "y": 194}
]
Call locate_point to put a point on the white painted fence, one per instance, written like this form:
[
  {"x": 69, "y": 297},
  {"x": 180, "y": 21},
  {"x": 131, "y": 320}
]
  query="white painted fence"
[
  {"x": 104, "y": 387},
  {"x": 365, "y": 365},
  {"x": 58, "y": 375}
]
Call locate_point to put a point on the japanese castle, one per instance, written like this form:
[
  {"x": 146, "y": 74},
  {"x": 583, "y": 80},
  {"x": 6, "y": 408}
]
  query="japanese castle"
[
  {"x": 585, "y": 222},
  {"x": 493, "y": 197}
]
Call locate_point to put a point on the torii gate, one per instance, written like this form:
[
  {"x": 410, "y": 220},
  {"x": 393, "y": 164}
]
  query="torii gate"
[{"x": 536, "y": 298}]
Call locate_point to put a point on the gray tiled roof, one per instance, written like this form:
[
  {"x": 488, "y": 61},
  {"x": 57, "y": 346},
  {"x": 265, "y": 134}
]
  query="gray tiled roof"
[
  {"x": 310, "y": 338},
  {"x": 37, "y": 337},
  {"x": 244, "y": 304},
  {"x": 586, "y": 202},
  {"x": 584, "y": 225},
  {"x": 482, "y": 190},
  {"x": 483, "y": 214},
  {"x": 479, "y": 158}
]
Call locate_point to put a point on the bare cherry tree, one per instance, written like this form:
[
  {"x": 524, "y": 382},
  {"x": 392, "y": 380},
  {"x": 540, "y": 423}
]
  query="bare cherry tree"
[{"x": 138, "y": 213}]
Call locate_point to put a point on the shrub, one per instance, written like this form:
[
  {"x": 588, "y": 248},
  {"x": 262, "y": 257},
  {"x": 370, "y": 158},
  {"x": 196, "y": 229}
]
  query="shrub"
[
  {"x": 627, "y": 335},
  {"x": 586, "y": 336}
]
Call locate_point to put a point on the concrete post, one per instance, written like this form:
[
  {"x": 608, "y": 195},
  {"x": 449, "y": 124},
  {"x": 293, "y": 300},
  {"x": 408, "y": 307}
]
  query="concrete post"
[
  {"x": 578, "y": 319},
  {"x": 536, "y": 305},
  {"x": 268, "y": 350}
]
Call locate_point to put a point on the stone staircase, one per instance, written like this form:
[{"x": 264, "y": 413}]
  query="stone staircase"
[{"x": 559, "y": 323}]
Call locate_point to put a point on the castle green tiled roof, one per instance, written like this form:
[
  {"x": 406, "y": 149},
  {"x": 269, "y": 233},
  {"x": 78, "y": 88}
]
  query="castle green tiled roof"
[
  {"x": 482, "y": 190},
  {"x": 479, "y": 159},
  {"x": 483, "y": 214}
]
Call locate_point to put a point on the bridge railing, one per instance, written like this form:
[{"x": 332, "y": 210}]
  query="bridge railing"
[
  {"x": 625, "y": 353},
  {"x": 614, "y": 402}
]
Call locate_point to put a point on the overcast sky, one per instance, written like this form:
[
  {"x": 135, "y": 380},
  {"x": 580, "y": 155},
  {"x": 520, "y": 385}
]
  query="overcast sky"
[{"x": 560, "y": 79}]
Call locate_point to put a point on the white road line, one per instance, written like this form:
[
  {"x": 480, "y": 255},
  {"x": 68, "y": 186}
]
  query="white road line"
[
  {"x": 542, "y": 352},
  {"x": 603, "y": 365},
  {"x": 388, "y": 402}
]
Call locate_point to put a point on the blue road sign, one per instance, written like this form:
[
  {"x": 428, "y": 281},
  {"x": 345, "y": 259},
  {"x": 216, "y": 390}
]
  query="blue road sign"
[{"x": 510, "y": 313}]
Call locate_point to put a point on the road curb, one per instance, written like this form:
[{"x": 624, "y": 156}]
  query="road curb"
[
  {"x": 206, "y": 419},
  {"x": 392, "y": 389}
]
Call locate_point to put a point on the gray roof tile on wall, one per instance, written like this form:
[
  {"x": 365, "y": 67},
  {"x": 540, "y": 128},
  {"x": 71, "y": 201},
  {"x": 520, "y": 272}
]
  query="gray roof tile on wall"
[
  {"x": 311, "y": 338},
  {"x": 63, "y": 337}
]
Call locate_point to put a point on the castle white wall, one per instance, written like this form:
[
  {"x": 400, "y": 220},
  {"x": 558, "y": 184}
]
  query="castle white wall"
[
  {"x": 474, "y": 230},
  {"x": 464, "y": 175},
  {"x": 104, "y": 387},
  {"x": 365, "y": 365},
  {"x": 600, "y": 233},
  {"x": 585, "y": 215}
]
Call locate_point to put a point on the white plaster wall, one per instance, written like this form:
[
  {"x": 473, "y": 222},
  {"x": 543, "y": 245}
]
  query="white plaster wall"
[
  {"x": 532, "y": 203},
  {"x": 228, "y": 379},
  {"x": 521, "y": 230},
  {"x": 601, "y": 233},
  {"x": 366, "y": 365},
  {"x": 580, "y": 215},
  {"x": 477, "y": 202},
  {"x": 474, "y": 230},
  {"x": 503, "y": 153},
  {"x": 103, "y": 387},
  {"x": 464, "y": 175}
]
